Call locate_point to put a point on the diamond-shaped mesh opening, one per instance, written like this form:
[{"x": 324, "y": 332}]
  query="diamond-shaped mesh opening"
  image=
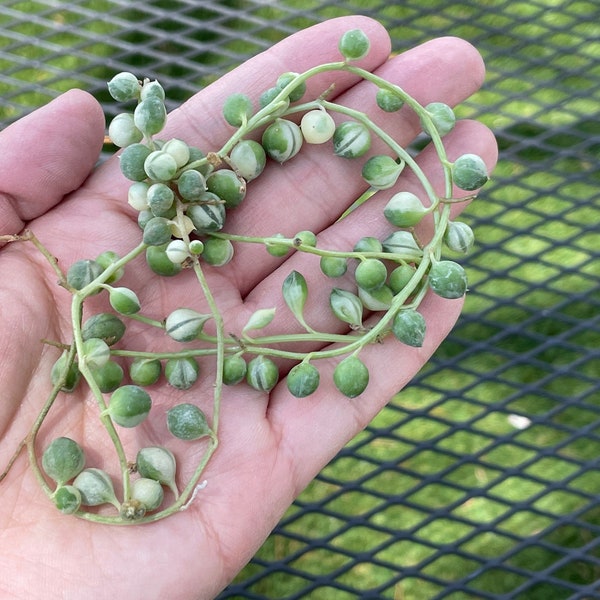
[{"x": 480, "y": 479}]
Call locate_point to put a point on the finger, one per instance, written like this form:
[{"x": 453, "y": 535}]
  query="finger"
[
  {"x": 314, "y": 188},
  {"x": 46, "y": 155}
]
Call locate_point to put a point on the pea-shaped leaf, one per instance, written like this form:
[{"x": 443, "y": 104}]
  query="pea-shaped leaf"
[
  {"x": 103, "y": 326},
  {"x": 187, "y": 422},
  {"x": 459, "y": 237},
  {"x": 124, "y": 86},
  {"x": 82, "y": 273},
  {"x": 158, "y": 463},
  {"x": 351, "y": 139},
  {"x": 351, "y": 376},
  {"x": 302, "y": 380},
  {"x": 185, "y": 324},
  {"x": 150, "y": 115},
  {"x": 63, "y": 459},
  {"x": 145, "y": 371},
  {"x": 129, "y": 405},
  {"x": 148, "y": 491},
  {"x": 95, "y": 487},
  {"x": 469, "y": 172},
  {"x": 259, "y": 319},
  {"x": 124, "y": 300},
  {"x": 347, "y": 307},
  {"x": 234, "y": 369},
  {"x": 70, "y": 378},
  {"x": 354, "y": 44},
  {"x": 295, "y": 293},
  {"x": 448, "y": 279},
  {"x": 67, "y": 498},
  {"x": 403, "y": 244},
  {"x": 409, "y": 327},
  {"x": 182, "y": 373},
  {"x": 262, "y": 373}
]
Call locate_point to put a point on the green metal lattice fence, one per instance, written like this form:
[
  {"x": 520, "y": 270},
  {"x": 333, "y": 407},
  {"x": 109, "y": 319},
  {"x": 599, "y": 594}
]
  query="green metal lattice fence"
[{"x": 480, "y": 479}]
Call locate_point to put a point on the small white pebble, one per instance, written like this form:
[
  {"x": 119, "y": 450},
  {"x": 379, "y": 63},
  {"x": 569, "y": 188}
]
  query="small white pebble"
[{"x": 519, "y": 421}]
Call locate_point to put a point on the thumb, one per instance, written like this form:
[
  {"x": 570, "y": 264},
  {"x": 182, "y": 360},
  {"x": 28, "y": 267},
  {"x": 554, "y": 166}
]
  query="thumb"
[{"x": 46, "y": 155}]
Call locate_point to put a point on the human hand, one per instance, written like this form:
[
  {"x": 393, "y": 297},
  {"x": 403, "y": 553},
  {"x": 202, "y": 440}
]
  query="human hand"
[{"x": 272, "y": 445}]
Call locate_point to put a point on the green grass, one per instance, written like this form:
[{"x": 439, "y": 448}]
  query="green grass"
[{"x": 534, "y": 288}]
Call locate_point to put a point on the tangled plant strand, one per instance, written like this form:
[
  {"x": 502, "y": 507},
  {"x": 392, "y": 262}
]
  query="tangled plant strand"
[{"x": 183, "y": 196}]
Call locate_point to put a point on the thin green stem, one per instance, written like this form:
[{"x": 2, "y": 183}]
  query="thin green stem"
[{"x": 76, "y": 312}]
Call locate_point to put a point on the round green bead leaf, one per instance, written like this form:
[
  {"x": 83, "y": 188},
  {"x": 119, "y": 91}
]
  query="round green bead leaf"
[
  {"x": 159, "y": 262},
  {"x": 217, "y": 252},
  {"x": 400, "y": 277},
  {"x": 149, "y": 492},
  {"x": 354, "y": 44},
  {"x": 70, "y": 378},
  {"x": 234, "y": 369},
  {"x": 150, "y": 115},
  {"x": 388, "y": 101},
  {"x": 409, "y": 327},
  {"x": 208, "y": 217},
  {"x": 402, "y": 244},
  {"x": 158, "y": 463},
  {"x": 333, "y": 266},
  {"x": 187, "y": 422},
  {"x": 123, "y": 132},
  {"x": 248, "y": 158},
  {"x": 282, "y": 140},
  {"x": 368, "y": 244},
  {"x": 63, "y": 459},
  {"x": 145, "y": 371},
  {"x": 381, "y": 171},
  {"x": 129, "y": 405},
  {"x": 351, "y": 376},
  {"x": 285, "y": 79},
  {"x": 185, "y": 324},
  {"x": 351, "y": 139},
  {"x": 124, "y": 300},
  {"x": 95, "y": 487},
  {"x": 442, "y": 116},
  {"x": 370, "y": 274},
  {"x": 83, "y": 272},
  {"x": 103, "y": 326},
  {"x": 157, "y": 232},
  {"x": 108, "y": 377},
  {"x": 227, "y": 186},
  {"x": 67, "y": 498},
  {"x": 262, "y": 373},
  {"x": 182, "y": 373},
  {"x": 459, "y": 237},
  {"x": 469, "y": 172},
  {"x": 132, "y": 159},
  {"x": 95, "y": 353},
  {"x": 448, "y": 279},
  {"x": 124, "y": 86},
  {"x": 378, "y": 299},
  {"x": 303, "y": 380},
  {"x": 237, "y": 109},
  {"x": 191, "y": 185},
  {"x": 404, "y": 209},
  {"x": 160, "y": 166},
  {"x": 347, "y": 307}
]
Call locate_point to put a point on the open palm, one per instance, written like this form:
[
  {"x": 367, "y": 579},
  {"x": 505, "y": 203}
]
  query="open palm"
[{"x": 271, "y": 445}]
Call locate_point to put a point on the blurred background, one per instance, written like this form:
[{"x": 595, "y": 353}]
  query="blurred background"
[{"x": 480, "y": 479}]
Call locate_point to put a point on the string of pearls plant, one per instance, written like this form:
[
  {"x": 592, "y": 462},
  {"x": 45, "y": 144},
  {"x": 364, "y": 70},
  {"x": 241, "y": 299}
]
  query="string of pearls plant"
[{"x": 183, "y": 196}]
